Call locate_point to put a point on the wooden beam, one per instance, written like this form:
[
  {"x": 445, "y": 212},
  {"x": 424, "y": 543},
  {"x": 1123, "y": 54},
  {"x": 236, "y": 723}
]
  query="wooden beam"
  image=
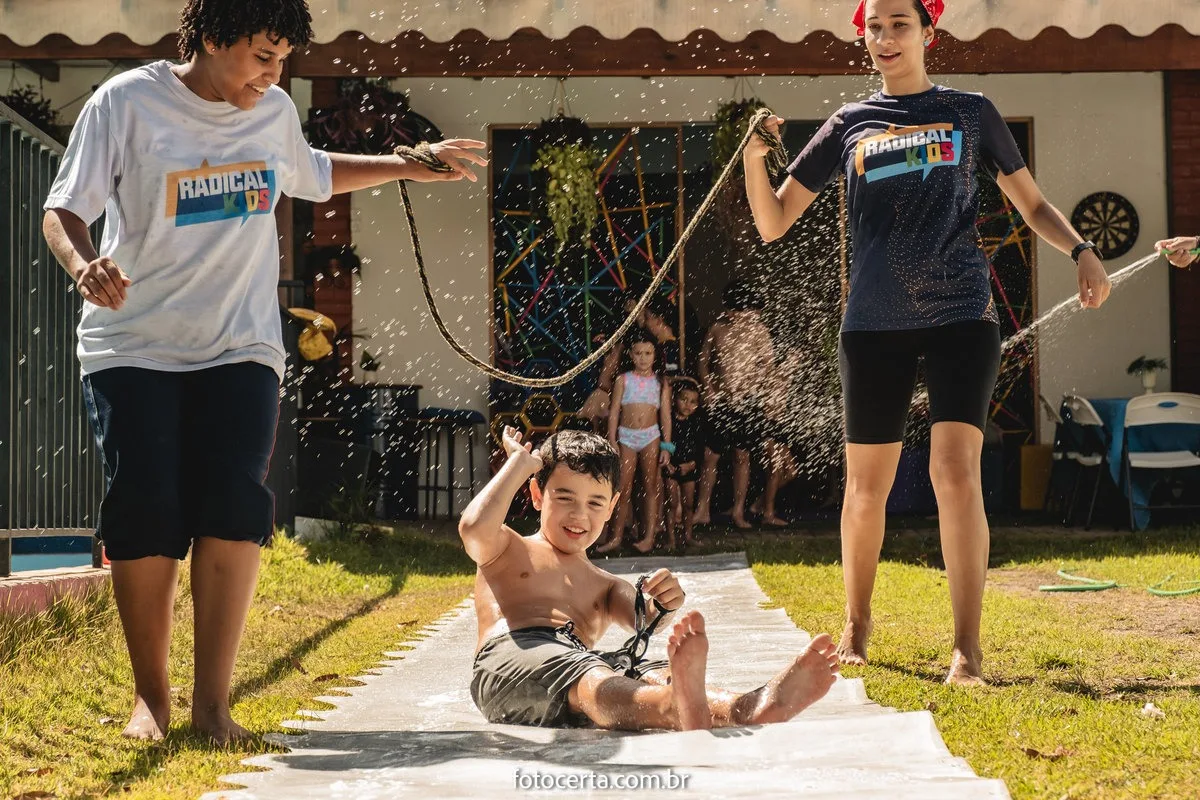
[
  {"x": 585, "y": 52},
  {"x": 57, "y": 47},
  {"x": 284, "y": 209},
  {"x": 1182, "y": 92},
  {"x": 46, "y": 70}
]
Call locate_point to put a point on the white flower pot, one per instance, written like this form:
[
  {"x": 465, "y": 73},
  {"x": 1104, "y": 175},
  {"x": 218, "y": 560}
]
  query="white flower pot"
[{"x": 1149, "y": 379}]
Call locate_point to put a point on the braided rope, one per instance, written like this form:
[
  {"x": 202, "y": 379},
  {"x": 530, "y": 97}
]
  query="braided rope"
[{"x": 422, "y": 154}]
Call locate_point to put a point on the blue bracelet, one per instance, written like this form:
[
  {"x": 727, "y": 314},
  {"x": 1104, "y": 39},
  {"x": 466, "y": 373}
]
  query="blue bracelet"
[{"x": 667, "y": 446}]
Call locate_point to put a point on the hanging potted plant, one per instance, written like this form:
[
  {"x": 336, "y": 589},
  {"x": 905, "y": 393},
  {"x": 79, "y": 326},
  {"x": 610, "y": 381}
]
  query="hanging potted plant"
[
  {"x": 730, "y": 123},
  {"x": 1148, "y": 369},
  {"x": 568, "y": 160}
]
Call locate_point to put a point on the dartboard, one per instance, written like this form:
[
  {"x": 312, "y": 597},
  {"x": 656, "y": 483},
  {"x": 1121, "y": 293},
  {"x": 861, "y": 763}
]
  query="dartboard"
[{"x": 1109, "y": 220}]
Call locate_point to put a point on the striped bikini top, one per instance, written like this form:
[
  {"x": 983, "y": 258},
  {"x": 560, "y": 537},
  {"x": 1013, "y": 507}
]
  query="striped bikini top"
[{"x": 640, "y": 389}]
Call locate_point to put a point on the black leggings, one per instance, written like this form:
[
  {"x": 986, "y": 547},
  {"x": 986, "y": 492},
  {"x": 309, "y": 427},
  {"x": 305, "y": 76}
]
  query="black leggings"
[{"x": 879, "y": 371}]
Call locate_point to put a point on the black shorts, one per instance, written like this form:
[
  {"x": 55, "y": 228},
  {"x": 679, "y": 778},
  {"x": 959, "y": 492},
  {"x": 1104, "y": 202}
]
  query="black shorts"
[
  {"x": 879, "y": 372},
  {"x": 185, "y": 454},
  {"x": 740, "y": 426}
]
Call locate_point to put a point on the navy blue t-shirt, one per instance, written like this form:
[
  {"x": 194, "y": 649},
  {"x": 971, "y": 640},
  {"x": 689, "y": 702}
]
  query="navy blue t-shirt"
[{"x": 913, "y": 200}]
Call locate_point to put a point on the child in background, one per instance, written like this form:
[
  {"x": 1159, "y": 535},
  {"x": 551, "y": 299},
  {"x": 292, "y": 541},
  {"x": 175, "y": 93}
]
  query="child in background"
[
  {"x": 641, "y": 403},
  {"x": 686, "y": 448}
]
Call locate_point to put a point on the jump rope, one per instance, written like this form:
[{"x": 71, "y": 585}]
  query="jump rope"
[{"x": 776, "y": 159}]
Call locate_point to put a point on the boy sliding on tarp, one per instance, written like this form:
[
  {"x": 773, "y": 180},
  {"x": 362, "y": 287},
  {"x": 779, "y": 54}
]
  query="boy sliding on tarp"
[{"x": 542, "y": 606}]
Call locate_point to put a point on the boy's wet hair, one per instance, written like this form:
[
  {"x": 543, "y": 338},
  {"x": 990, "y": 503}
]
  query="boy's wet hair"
[
  {"x": 582, "y": 452},
  {"x": 739, "y": 295},
  {"x": 226, "y": 22}
]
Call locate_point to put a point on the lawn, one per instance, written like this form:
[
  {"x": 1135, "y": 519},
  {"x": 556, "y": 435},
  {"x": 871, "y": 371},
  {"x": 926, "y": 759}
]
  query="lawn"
[
  {"x": 1070, "y": 673},
  {"x": 322, "y": 614}
]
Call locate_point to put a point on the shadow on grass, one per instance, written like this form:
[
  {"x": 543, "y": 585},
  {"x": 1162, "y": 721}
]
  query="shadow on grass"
[
  {"x": 937, "y": 674},
  {"x": 923, "y": 547},
  {"x": 398, "y": 555}
]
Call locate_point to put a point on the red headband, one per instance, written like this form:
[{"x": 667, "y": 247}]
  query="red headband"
[{"x": 935, "y": 8}]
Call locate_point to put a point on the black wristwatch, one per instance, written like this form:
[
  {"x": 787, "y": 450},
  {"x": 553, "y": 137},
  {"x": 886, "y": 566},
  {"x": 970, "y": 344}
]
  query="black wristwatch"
[{"x": 1079, "y": 248}]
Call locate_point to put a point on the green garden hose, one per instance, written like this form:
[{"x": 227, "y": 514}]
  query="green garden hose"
[
  {"x": 1157, "y": 592},
  {"x": 1081, "y": 584}
]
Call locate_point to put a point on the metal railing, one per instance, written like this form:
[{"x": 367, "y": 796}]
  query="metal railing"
[{"x": 50, "y": 477}]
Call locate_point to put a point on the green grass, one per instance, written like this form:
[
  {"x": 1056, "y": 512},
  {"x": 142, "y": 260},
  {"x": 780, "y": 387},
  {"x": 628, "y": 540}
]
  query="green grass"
[
  {"x": 1069, "y": 674},
  {"x": 321, "y": 614}
]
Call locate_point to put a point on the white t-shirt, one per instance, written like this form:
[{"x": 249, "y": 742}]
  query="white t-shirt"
[{"x": 189, "y": 189}]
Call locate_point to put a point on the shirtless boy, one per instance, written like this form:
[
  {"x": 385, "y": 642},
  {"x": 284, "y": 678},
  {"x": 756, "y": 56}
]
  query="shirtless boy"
[{"x": 542, "y": 606}]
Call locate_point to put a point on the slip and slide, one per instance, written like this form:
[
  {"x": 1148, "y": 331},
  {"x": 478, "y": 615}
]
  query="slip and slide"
[{"x": 411, "y": 729}]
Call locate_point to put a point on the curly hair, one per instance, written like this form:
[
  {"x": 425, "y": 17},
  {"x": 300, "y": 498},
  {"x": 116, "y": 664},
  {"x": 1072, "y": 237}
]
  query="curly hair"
[
  {"x": 224, "y": 22},
  {"x": 583, "y": 452}
]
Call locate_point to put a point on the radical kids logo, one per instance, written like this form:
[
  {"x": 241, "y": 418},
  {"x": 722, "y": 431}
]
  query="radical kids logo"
[
  {"x": 228, "y": 191},
  {"x": 920, "y": 148}
]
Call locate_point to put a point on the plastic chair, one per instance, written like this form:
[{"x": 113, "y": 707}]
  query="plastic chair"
[{"x": 1163, "y": 408}]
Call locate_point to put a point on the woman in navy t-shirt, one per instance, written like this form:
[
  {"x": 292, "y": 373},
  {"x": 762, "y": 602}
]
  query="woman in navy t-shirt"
[{"x": 919, "y": 289}]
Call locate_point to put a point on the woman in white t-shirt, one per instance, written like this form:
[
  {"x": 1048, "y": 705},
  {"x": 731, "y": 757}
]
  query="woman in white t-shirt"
[{"x": 179, "y": 340}]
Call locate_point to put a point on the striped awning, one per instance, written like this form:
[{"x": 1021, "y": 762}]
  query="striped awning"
[{"x": 26, "y": 22}]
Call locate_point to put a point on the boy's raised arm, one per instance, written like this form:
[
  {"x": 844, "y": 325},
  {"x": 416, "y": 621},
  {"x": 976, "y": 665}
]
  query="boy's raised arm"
[{"x": 482, "y": 527}]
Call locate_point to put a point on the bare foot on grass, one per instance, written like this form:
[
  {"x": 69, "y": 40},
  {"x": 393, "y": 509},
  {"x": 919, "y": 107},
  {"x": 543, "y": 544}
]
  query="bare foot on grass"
[
  {"x": 216, "y": 723},
  {"x": 147, "y": 722},
  {"x": 852, "y": 649},
  {"x": 966, "y": 668}
]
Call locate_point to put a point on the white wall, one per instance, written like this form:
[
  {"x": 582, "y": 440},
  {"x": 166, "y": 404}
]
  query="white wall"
[
  {"x": 1091, "y": 133},
  {"x": 69, "y": 92}
]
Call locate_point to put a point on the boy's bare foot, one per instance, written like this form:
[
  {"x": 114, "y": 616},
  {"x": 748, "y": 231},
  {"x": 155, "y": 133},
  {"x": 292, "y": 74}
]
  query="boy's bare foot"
[
  {"x": 966, "y": 668},
  {"x": 739, "y": 521},
  {"x": 687, "y": 652},
  {"x": 701, "y": 519},
  {"x": 852, "y": 649},
  {"x": 773, "y": 521},
  {"x": 146, "y": 722},
  {"x": 217, "y": 723},
  {"x": 805, "y": 681},
  {"x": 690, "y": 541},
  {"x": 644, "y": 547}
]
